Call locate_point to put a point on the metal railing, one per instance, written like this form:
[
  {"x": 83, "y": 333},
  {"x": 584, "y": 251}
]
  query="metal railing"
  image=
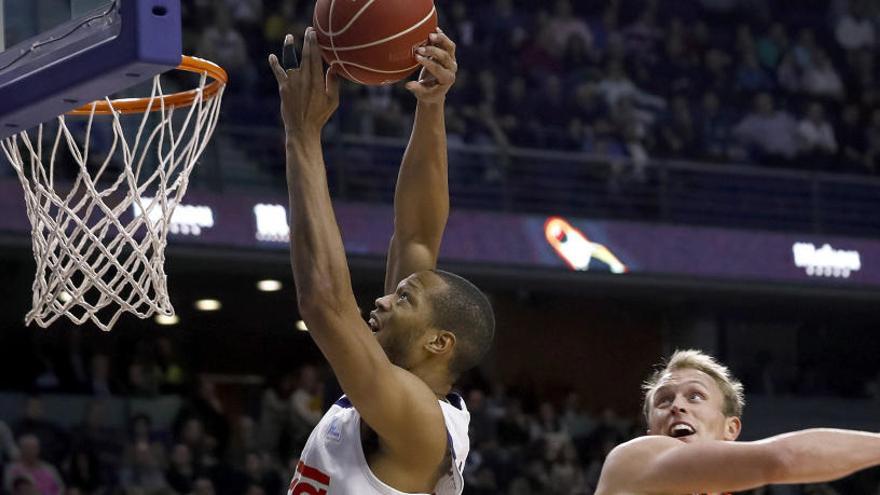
[{"x": 575, "y": 184}]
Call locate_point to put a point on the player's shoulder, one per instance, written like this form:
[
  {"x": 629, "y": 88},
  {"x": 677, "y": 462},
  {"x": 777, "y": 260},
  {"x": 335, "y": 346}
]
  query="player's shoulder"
[
  {"x": 628, "y": 460},
  {"x": 641, "y": 448}
]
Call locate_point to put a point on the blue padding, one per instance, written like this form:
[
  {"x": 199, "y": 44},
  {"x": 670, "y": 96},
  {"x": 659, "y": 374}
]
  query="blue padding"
[{"x": 97, "y": 61}]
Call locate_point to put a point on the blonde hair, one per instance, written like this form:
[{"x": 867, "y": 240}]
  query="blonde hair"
[{"x": 734, "y": 398}]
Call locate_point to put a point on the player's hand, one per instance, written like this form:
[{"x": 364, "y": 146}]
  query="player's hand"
[
  {"x": 308, "y": 99},
  {"x": 438, "y": 69}
]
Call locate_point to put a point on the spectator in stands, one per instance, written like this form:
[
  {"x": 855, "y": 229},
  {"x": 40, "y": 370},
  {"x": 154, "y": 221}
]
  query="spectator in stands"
[
  {"x": 245, "y": 438},
  {"x": 102, "y": 383},
  {"x": 872, "y": 161},
  {"x": 142, "y": 471},
  {"x": 606, "y": 31},
  {"x": 567, "y": 474},
  {"x": 591, "y": 110},
  {"x": 181, "y": 471},
  {"x": 207, "y": 408},
  {"x": 141, "y": 431},
  {"x": 8, "y": 449},
  {"x": 617, "y": 85},
  {"x": 550, "y": 107},
  {"x": 715, "y": 128},
  {"x": 863, "y": 78},
  {"x": 246, "y": 12},
  {"x": 745, "y": 41},
  {"x": 678, "y": 132},
  {"x": 275, "y": 413},
  {"x": 514, "y": 114},
  {"x": 222, "y": 43},
  {"x": 83, "y": 473},
  {"x": 821, "y": 78},
  {"x": 23, "y": 485},
  {"x": 385, "y": 113},
  {"x": 259, "y": 472},
  {"x": 716, "y": 74},
  {"x": 816, "y": 137},
  {"x": 642, "y": 38},
  {"x": 767, "y": 132},
  {"x": 44, "y": 476},
  {"x": 203, "y": 486},
  {"x": 633, "y": 127},
  {"x": 143, "y": 379},
  {"x": 562, "y": 25},
  {"x": 751, "y": 77},
  {"x": 305, "y": 404},
  {"x": 463, "y": 28},
  {"x": 772, "y": 45},
  {"x": 852, "y": 141},
  {"x": 173, "y": 375},
  {"x": 282, "y": 20},
  {"x": 677, "y": 71},
  {"x": 96, "y": 435},
  {"x": 192, "y": 435},
  {"x": 53, "y": 439},
  {"x": 855, "y": 30}
]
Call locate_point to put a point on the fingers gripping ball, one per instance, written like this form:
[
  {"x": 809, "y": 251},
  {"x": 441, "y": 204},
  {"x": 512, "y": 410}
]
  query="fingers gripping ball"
[{"x": 373, "y": 41}]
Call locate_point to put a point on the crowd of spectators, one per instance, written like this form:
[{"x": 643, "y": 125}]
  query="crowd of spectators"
[
  {"x": 717, "y": 81},
  {"x": 212, "y": 442}
]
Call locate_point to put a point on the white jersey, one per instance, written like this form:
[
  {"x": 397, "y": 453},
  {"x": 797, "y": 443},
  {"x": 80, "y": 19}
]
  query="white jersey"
[{"x": 333, "y": 462}]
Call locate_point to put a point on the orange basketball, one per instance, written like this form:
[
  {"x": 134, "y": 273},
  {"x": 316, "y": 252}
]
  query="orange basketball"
[{"x": 373, "y": 41}]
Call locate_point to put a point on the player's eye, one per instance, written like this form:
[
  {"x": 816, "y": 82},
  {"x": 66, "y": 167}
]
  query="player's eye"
[
  {"x": 403, "y": 297},
  {"x": 696, "y": 396}
]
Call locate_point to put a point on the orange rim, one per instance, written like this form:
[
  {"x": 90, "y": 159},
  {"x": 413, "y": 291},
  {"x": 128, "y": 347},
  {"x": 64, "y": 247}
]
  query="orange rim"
[{"x": 174, "y": 100}]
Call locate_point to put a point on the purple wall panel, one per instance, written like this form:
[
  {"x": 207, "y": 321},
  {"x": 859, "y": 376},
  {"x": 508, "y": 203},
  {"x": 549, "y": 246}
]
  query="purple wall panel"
[{"x": 518, "y": 240}]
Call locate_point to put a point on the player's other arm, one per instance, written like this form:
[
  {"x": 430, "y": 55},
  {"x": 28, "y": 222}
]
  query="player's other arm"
[
  {"x": 393, "y": 402},
  {"x": 658, "y": 464},
  {"x": 421, "y": 200}
]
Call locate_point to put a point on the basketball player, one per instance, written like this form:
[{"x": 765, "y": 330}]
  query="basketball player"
[
  {"x": 693, "y": 408},
  {"x": 397, "y": 429}
]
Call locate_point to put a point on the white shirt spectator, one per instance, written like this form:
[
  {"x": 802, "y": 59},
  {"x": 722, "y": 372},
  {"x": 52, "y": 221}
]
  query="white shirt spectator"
[
  {"x": 822, "y": 79},
  {"x": 816, "y": 136},
  {"x": 246, "y": 11},
  {"x": 853, "y": 33},
  {"x": 773, "y": 133}
]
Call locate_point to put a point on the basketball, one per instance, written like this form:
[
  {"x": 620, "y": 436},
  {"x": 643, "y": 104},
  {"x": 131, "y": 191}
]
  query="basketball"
[{"x": 373, "y": 41}]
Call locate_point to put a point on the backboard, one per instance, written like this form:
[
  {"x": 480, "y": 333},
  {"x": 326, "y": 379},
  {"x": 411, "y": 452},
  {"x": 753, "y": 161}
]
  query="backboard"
[{"x": 58, "y": 55}]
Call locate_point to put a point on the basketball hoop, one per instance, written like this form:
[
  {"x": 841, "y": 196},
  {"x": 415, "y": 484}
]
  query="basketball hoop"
[{"x": 99, "y": 242}]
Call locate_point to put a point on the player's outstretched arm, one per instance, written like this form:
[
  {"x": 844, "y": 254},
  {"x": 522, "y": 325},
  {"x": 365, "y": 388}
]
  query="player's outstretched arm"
[
  {"x": 421, "y": 200},
  {"x": 396, "y": 404},
  {"x": 659, "y": 464}
]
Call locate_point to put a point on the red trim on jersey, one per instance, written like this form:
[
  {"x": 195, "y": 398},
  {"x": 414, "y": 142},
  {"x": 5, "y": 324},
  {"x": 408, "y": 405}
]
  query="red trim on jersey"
[{"x": 313, "y": 474}]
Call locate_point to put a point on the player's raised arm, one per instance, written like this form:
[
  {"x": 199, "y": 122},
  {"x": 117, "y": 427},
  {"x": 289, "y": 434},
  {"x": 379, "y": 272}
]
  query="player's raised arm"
[
  {"x": 400, "y": 407},
  {"x": 662, "y": 464},
  {"x": 421, "y": 200}
]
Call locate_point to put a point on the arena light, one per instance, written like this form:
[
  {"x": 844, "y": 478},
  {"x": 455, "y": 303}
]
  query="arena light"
[
  {"x": 301, "y": 326},
  {"x": 269, "y": 285},
  {"x": 208, "y": 305},
  {"x": 167, "y": 320}
]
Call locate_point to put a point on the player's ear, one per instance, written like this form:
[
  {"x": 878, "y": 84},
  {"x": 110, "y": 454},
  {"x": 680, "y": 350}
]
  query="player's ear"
[
  {"x": 732, "y": 428},
  {"x": 440, "y": 342}
]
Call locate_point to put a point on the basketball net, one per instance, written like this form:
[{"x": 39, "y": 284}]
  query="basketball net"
[{"x": 99, "y": 242}]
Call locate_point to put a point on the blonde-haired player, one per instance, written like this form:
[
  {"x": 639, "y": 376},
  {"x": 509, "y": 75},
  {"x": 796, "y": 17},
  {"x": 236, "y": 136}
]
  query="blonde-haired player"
[{"x": 693, "y": 408}]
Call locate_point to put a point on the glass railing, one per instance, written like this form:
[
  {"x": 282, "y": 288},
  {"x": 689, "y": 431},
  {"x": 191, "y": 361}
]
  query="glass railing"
[{"x": 573, "y": 184}]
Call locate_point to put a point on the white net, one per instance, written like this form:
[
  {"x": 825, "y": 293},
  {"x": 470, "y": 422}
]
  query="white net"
[{"x": 99, "y": 230}]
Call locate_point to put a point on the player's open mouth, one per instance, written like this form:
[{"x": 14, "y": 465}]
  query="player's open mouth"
[
  {"x": 373, "y": 322},
  {"x": 681, "y": 430}
]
